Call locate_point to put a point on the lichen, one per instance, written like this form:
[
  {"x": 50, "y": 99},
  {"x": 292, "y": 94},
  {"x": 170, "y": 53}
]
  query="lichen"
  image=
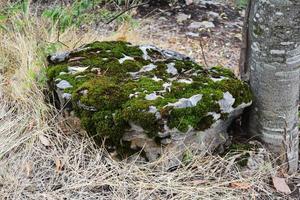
[
  {"x": 257, "y": 29},
  {"x": 109, "y": 95}
]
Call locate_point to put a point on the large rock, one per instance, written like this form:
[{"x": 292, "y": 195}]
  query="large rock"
[{"x": 143, "y": 97}]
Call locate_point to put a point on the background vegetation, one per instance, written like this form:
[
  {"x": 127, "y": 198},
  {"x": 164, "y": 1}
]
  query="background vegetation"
[{"x": 44, "y": 156}]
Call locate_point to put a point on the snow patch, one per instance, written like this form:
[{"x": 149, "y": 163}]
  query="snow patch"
[
  {"x": 171, "y": 69},
  {"x": 152, "y": 96},
  {"x": 218, "y": 79},
  {"x": 215, "y": 115},
  {"x": 66, "y": 96},
  {"x": 186, "y": 103},
  {"x": 226, "y": 103},
  {"x": 144, "y": 49},
  {"x": 63, "y": 84},
  {"x": 156, "y": 79},
  {"x": 167, "y": 87},
  {"x": 187, "y": 81},
  {"x": 122, "y": 60},
  {"x": 77, "y": 69},
  {"x": 148, "y": 68},
  {"x": 136, "y": 94},
  {"x": 153, "y": 109}
]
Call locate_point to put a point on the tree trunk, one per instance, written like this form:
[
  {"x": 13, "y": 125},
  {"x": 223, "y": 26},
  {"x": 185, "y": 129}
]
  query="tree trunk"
[{"x": 274, "y": 66}]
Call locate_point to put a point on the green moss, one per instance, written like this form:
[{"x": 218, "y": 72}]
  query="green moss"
[
  {"x": 54, "y": 71},
  {"x": 107, "y": 85},
  {"x": 239, "y": 90},
  {"x": 109, "y": 125},
  {"x": 136, "y": 111},
  {"x": 196, "y": 117},
  {"x": 220, "y": 71},
  {"x": 76, "y": 80},
  {"x": 102, "y": 93},
  {"x": 183, "y": 66},
  {"x": 112, "y": 49},
  {"x": 149, "y": 85}
]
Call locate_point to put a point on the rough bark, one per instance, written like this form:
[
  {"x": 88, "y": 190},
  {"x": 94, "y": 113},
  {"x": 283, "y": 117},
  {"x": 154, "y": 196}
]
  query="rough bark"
[
  {"x": 243, "y": 62},
  {"x": 274, "y": 62}
]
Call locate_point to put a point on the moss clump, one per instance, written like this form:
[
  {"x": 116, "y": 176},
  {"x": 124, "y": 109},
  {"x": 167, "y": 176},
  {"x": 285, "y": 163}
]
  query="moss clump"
[
  {"x": 54, "y": 71},
  {"x": 136, "y": 111},
  {"x": 103, "y": 93},
  {"x": 112, "y": 49},
  {"x": 238, "y": 89},
  {"x": 115, "y": 87},
  {"x": 182, "y": 66}
]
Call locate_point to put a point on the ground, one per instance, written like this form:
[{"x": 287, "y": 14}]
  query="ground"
[
  {"x": 115, "y": 88},
  {"x": 45, "y": 156}
]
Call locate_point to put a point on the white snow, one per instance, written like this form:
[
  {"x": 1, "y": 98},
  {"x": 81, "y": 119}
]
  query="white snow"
[
  {"x": 66, "y": 96},
  {"x": 77, "y": 69},
  {"x": 153, "y": 109},
  {"x": 187, "y": 81},
  {"x": 148, "y": 68},
  {"x": 156, "y": 79},
  {"x": 64, "y": 85},
  {"x": 167, "y": 87},
  {"x": 215, "y": 115},
  {"x": 218, "y": 79},
  {"x": 185, "y": 103},
  {"x": 122, "y": 60},
  {"x": 152, "y": 96},
  {"x": 144, "y": 50},
  {"x": 226, "y": 103},
  {"x": 171, "y": 69},
  {"x": 136, "y": 94}
]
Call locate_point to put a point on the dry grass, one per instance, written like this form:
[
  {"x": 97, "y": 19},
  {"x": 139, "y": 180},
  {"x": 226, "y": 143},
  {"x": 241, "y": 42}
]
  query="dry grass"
[{"x": 38, "y": 160}]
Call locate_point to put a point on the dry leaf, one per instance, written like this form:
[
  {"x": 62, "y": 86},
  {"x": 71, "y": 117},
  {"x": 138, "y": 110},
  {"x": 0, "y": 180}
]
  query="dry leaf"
[
  {"x": 31, "y": 125},
  {"x": 58, "y": 164},
  {"x": 199, "y": 182},
  {"x": 44, "y": 140},
  {"x": 240, "y": 185},
  {"x": 28, "y": 169},
  {"x": 280, "y": 185}
]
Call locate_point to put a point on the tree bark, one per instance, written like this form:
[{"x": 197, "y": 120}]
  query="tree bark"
[{"x": 274, "y": 64}]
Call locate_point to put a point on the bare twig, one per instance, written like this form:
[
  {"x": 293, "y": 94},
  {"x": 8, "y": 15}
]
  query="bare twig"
[
  {"x": 59, "y": 27},
  {"x": 126, "y": 10},
  {"x": 203, "y": 54}
]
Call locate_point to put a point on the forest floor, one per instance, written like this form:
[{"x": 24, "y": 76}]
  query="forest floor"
[{"x": 44, "y": 156}]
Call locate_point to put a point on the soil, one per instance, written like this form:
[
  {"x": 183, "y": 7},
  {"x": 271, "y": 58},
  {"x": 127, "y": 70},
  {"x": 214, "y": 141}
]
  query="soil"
[{"x": 221, "y": 44}]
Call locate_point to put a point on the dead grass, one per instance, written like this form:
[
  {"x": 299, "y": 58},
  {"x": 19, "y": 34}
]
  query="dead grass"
[{"x": 38, "y": 160}]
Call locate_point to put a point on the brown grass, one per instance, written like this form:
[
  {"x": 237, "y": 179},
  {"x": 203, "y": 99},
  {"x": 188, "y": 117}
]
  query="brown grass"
[{"x": 39, "y": 160}]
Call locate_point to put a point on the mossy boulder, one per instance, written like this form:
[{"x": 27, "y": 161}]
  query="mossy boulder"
[{"x": 143, "y": 97}]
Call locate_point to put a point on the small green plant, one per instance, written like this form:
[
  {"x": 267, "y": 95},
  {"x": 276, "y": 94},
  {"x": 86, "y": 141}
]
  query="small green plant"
[
  {"x": 8, "y": 13},
  {"x": 187, "y": 157},
  {"x": 78, "y": 13},
  {"x": 241, "y": 3},
  {"x": 74, "y": 15}
]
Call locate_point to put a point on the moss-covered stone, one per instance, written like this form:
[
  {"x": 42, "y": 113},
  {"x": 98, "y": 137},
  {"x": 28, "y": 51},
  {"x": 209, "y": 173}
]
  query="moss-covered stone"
[{"x": 117, "y": 87}]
